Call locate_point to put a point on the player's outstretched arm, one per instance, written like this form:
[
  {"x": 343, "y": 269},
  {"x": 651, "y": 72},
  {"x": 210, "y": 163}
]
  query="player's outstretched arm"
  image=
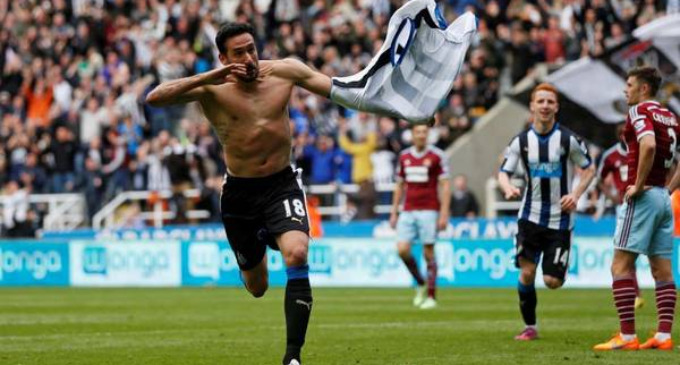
[
  {"x": 303, "y": 76},
  {"x": 188, "y": 89},
  {"x": 509, "y": 191}
]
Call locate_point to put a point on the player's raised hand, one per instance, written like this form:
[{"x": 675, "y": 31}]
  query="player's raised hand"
[
  {"x": 220, "y": 75},
  {"x": 511, "y": 192},
  {"x": 568, "y": 203}
]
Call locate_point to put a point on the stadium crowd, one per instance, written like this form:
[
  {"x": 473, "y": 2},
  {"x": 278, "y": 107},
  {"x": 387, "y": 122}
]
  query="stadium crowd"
[{"x": 75, "y": 74}]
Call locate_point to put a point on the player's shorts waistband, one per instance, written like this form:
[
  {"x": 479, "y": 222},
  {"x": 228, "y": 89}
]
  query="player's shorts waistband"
[{"x": 259, "y": 181}]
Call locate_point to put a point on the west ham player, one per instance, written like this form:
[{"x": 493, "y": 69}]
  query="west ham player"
[
  {"x": 423, "y": 181},
  {"x": 613, "y": 163},
  {"x": 548, "y": 153},
  {"x": 645, "y": 222}
]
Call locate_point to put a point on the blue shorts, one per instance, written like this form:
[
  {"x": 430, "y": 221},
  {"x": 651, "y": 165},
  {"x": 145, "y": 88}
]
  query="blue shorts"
[
  {"x": 645, "y": 224},
  {"x": 417, "y": 224}
]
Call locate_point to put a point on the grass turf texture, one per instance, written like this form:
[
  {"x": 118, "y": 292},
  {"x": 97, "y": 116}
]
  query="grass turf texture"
[{"x": 348, "y": 326}]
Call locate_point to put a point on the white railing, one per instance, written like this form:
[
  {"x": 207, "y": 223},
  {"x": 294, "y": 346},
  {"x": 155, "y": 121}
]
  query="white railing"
[
  {"x": 341, "y": 194},
  {"x": 64, "y": 211},
  {"x": 106, "y": 216}
]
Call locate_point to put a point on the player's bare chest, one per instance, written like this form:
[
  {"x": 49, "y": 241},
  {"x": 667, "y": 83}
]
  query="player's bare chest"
[{"x": 266, "y": 102}]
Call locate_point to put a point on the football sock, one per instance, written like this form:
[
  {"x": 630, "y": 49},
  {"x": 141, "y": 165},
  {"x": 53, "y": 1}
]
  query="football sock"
[
  {"x": 624, "y": 299},
  {"x": 431, "y": 278},
  {"x": 662, "y": 336},
  {"x": 665, "y": 305},
  {"x": 412, "y": 267},
  {"x": 628, "y": 337},
  {"x": 527, "y": 303},
  {"x": 298, "y": 307}
]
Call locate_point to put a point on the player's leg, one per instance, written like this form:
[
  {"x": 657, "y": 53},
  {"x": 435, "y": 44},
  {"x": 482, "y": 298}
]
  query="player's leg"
[
  {"x": 525, "y": 260},
  {"x": 250, "y": 253},
  {"x": 427, "y": 231},
  {"x": 527, "y": 299},
  {"x": 287, "y": 220},
  {"x": 256, "y": 280},
  {"x": 557, "y": 248},
  {"x": 407, "y": 233},
  {"x": 666, "y": 297},
  {"x": 660, "y": 252},
  {"x": 632, "y": 235},
  {"x": 243, "y": 228},
  {"x": 298, "y": 297},
  {"x": 430, "y": 259},
  {"x": 639, "y": 301}
]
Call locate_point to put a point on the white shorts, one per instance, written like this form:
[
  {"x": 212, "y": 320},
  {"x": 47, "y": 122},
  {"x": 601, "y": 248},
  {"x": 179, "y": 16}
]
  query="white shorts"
[{"x": 417, "y": 224}]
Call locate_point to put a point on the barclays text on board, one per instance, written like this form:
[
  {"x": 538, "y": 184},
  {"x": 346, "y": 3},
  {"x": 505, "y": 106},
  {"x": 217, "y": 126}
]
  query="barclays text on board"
[
  {"x": 479, "y": 228},
  {"x": 358, "y": 262}
]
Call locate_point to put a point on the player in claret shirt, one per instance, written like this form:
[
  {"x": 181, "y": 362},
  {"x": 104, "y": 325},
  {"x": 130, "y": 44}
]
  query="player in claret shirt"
[
  {"x": 548, "y": 153},
  {"x": 645, "y": 222},
  {"x": 423, "y": 181}
]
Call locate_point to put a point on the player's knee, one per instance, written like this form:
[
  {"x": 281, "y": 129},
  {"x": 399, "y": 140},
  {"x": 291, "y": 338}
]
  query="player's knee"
[
  {"x": 528, "y": 275},
  {"x": 296, "y": 256},
  {"x": 661, "y": 274},
  {"x": 257, "y": 290},
  {"x": 553, "y": 283},
  {"x": 429, "y": 259},
  {"x": 404, "y": 250},
  {"x": 621, "y": 269}
]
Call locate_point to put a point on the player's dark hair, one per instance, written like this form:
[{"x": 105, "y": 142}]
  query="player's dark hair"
[
  {"x": 229, "y": 30},
  {"x": 648, "y": 75}
]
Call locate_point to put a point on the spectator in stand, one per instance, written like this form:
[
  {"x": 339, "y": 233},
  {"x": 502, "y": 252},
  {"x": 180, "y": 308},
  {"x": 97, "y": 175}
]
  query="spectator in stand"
[
  {"x": 63, "y": 151},
  {"x": 360, "y": 147},
  {"x": 463, "y": 201},
  {"x": 17, "y": 222},
  {"x": 321, "y": 154}
]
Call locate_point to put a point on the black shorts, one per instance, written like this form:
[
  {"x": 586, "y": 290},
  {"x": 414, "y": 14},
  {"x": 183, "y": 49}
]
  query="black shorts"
[
  {"x": 533, "y": 240},
  {"x": 255, "y": 210}
]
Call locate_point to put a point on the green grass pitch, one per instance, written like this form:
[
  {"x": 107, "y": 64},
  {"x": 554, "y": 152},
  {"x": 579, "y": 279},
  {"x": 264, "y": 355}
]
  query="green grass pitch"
[{"x": 348, "y": 326}]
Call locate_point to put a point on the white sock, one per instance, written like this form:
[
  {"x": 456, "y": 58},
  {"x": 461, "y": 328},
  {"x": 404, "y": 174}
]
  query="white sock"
[
  {"x": 660, "y": 336},
  {"x": 628, "y": 337},
  {"x": 533, "y": 327}
]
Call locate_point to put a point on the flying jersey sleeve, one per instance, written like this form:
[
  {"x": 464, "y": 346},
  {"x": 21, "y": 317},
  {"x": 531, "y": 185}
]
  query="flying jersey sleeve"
[
  {"x": 642, "y": 125},
  {"x": 512, "y": 157},
  {"x": 578, "y": 153}
]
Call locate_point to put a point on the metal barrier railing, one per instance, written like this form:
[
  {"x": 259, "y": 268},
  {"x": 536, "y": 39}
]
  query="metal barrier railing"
[
  {"x": 64, "y": 211},
  {"x": 106, "y": 216}
]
